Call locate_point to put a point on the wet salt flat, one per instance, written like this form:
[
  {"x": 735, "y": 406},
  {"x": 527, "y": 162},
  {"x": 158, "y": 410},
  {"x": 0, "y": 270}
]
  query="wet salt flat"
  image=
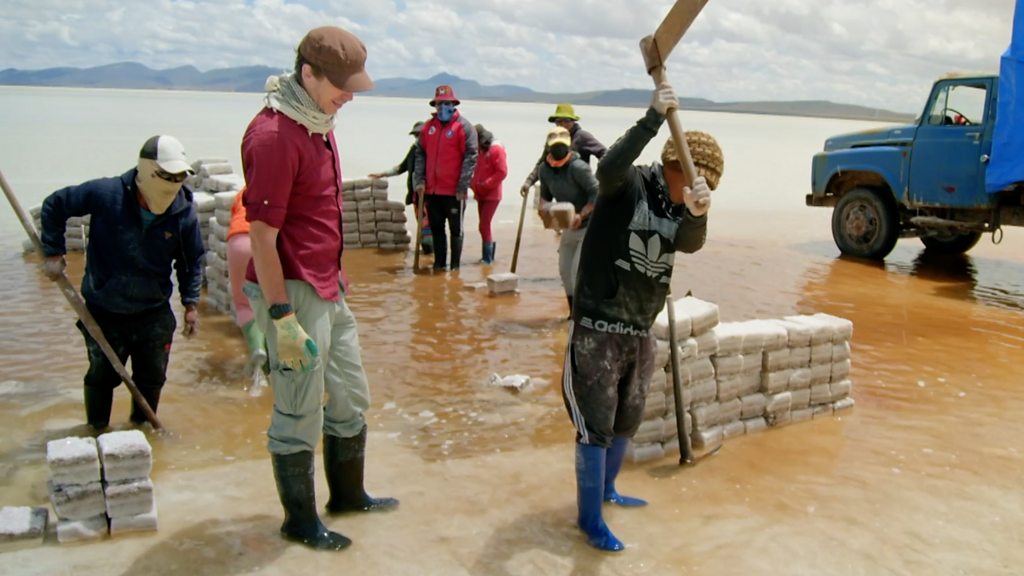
[{"x": 922, "y": 477}]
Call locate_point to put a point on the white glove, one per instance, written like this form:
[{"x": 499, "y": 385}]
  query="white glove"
[
  {"x": 664, "y": 99},
  {"x": 53, "y": 267},
  {"x": 698, "y": 198}
]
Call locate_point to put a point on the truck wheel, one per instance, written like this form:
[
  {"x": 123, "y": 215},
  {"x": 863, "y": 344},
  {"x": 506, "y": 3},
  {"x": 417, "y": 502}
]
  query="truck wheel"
[
  {"x": 865, "y": 225},
  {"x": 951, "y": 243}
]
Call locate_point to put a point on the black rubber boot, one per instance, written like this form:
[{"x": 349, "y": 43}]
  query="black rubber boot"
[
  {"x": 152, "y": 396},
  {"x": 98, "y": 402},
  {"x": 344, "y": 460},
  {"x": 294, "y": 476},
  {"x": 440, "y": 255},
  {"x": 456, "y": 252}
]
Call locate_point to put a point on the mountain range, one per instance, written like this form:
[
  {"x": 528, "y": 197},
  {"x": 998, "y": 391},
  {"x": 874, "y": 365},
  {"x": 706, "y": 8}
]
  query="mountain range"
[{"x": 132, "y": 75}]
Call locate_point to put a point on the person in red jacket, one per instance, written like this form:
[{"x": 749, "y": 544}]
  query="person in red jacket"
[
  {"x": 445, "y": 161},
  {"x": 491, "y": 170}
]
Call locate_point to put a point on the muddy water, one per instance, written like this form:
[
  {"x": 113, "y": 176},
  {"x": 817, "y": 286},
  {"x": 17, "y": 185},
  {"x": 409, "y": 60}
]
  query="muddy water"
[{"x": 922, "y": 476}]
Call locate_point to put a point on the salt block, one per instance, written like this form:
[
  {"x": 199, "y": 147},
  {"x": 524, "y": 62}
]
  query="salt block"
[
  {"x": 703, "y": 315},
  {"x": 502, "y": 283},
  {"x": 637, "y": 453},
  {"x": 562, "y": 215},
  {"x": 129, "y": 497},
  {"x": 821, "y": 329},
  {"x": 22, "y": 526},
  {"x": 755, "y": 424},
  {"x": 92, "y": 528},
  {"x": 683, "y": 327},
  {"x": 136, "y": 523},
  {"x": 125, "y": 455},
  {"x": 77, "y": 501},
  {"x": 73, "y": 460}
]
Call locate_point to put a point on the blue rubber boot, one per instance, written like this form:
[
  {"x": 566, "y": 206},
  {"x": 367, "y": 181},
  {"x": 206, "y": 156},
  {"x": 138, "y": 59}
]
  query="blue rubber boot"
[
  {"x": 613, "y": 463},
  {"x": 590, "y": 464},
  {"x": 488, "y": 253}
]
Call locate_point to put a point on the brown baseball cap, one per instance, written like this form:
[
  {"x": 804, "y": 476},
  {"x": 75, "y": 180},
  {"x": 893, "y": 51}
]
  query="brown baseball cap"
[{"x": 340, "y": 55}]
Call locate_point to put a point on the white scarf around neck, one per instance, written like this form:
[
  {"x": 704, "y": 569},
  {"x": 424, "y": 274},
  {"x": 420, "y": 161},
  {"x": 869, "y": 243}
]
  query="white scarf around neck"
[{"x": 287, "y": 96}]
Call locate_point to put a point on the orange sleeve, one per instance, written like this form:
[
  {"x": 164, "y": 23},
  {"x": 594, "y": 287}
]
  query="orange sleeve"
[{"x": 238, "y": 225}]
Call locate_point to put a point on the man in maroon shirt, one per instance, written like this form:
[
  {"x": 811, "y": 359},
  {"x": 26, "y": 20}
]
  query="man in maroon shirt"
[{"x": 297, "y": 286}]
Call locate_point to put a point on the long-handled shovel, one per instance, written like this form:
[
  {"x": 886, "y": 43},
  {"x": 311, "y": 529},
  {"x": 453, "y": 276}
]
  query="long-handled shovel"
[
  {"x": 519, "y": 234},
  {"x": 685, "y": 447},
  {"x": 655, "y": 49},
  {"x": 83, "y": 312},
  {"x": 418, "y": 203}
]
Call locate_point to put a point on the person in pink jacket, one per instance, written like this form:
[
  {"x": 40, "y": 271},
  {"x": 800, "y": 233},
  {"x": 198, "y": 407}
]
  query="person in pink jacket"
[{"x": 491, "y": 170}]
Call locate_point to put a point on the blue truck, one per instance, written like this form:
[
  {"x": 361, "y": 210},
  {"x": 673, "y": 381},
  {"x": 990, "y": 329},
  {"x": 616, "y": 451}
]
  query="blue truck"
[{"x": 955, "y": 174}]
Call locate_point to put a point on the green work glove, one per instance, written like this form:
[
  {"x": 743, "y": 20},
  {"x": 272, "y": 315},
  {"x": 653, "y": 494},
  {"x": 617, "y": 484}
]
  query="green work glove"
[{"x": 295, "y": 349}]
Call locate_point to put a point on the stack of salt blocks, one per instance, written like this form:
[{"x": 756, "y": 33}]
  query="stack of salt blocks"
[
  {"x": 214, "y": 186},
  {"x": 101, "y": 485},
  {"x": 741, "y": 377},
  {"x": 369, "y": 219},
  {"x": 76, "y": 231}
]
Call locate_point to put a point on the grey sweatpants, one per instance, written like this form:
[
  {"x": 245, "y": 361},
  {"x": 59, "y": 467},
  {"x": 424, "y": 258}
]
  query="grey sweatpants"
[
  {"x": 569, "y": 257},
  {"x": 605, "y": 380}
]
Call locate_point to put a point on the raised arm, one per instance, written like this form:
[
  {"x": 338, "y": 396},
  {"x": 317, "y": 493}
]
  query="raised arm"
[{"x": 615, "y": 166}]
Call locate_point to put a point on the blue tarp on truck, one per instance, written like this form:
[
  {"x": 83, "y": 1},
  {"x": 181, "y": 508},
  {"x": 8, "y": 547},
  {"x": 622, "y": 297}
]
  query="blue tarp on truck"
[{"x": 1006, "y": 166}]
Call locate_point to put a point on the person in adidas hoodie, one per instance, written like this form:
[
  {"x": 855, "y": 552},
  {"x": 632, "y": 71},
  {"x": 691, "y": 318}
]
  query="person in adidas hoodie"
[{"x": 642, "y": 216}]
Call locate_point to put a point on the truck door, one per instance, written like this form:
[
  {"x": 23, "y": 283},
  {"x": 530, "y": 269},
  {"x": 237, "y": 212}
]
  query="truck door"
[{"x": 946, "y": 167}]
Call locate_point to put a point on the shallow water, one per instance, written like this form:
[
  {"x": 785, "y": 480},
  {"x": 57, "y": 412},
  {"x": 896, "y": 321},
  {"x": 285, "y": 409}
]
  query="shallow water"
[{"x": 923, "y": 476}]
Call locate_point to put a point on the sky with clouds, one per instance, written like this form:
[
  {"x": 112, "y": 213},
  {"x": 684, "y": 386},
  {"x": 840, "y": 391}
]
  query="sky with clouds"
[{"x": 879, "y": 53}]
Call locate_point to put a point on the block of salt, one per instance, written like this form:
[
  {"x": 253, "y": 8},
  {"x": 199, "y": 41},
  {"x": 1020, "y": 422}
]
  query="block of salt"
[
  {"x": 502, "y": 282},
  {"x": 125, "y": 455},
  {"x": 136, "y": 523},
  {"x": 684, "y": 325},
  {"x": 77, "y": 501},
  {"x": 129, "y": 497},
  {"x": 703, "y": 315},
  {"x": 22, "y": 526},
  {"x": 92, "y": 528},
  {"x": 73, "y": 460},
  {"x": 822, "y": 330},
  {"x": 562, "y": 215}
]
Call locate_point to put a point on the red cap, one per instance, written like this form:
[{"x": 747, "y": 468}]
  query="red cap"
[{"x": 444, "y": 93}]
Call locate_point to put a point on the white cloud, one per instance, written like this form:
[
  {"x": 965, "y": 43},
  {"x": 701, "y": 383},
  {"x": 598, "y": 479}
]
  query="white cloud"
[{"x": 880, "y": 53}]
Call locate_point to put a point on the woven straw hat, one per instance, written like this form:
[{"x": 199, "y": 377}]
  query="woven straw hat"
[{"x": 705, "y": 151}]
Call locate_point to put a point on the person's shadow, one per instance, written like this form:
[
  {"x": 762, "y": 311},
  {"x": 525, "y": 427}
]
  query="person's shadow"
[
  {"x": 531, "y": 537},
  {"x": 215, "y": 547}
]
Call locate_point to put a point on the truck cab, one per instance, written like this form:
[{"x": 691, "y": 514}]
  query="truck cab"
[{"x": 923, "y": 180}]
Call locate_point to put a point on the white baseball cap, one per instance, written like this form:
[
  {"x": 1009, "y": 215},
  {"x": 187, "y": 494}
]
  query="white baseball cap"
[{"x": 167, "y": 152}]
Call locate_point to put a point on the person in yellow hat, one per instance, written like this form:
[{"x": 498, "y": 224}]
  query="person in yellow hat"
[{"x": 583, "y": 143}]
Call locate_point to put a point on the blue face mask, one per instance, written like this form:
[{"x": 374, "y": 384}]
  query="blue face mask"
[{"x": 445, "y": 110}]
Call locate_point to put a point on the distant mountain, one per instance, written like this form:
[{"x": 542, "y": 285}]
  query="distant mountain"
[{"x": 252, "y": 79}]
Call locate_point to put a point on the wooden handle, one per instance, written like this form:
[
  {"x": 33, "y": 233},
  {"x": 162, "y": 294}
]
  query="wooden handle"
[
  {"x": 80, "y": 308},
  {"x": 685, "y": 448},
  {"x": 519, "y": 233}
]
